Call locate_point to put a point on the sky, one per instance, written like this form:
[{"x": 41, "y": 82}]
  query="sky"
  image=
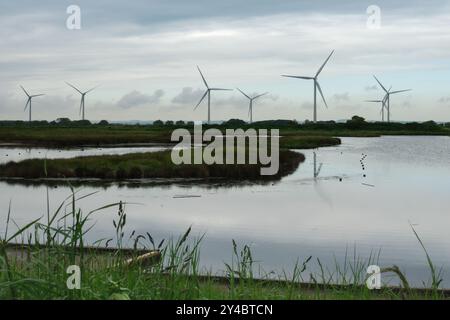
[{"x": 143, "y": 55}]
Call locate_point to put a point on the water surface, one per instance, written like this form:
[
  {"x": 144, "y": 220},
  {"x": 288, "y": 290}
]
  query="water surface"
[{"x": 362, "y": 195}]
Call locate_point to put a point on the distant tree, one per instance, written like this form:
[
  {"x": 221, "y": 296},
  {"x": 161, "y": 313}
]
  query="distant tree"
[
  {"x": 356, "y": 122},
  {"x": 190, "y": 123},
  {"x": 158, "y": 123},
  {"x": 358, "y": 119},
  {"x": 103, "y": 123},
  {"x": 82, "y": 123},
  {"x": 180, "y": 123},
  {"x": 169, "y": 123},
  {"x": 63, "y": 121},
  {"x": 235, "y": 122}
]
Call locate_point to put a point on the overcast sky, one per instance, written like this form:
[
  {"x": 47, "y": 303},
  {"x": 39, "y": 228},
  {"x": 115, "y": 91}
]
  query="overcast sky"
[{"x": 144, "y": 53}]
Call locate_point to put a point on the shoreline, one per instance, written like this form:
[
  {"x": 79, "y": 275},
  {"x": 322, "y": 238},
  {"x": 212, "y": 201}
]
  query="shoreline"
[{"x": 138, "y": 166}]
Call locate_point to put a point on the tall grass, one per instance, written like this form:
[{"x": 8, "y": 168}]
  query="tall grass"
[{"x": 34, "y": 261}]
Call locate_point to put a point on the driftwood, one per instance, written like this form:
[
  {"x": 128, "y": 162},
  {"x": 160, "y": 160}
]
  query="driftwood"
[{"x": 145, "y": 260}]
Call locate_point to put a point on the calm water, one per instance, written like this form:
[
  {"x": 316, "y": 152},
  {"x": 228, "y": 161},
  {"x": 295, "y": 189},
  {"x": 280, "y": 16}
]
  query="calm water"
[
  {"x": 18, "y": 153},
  {"x": 407, "y": 181}
]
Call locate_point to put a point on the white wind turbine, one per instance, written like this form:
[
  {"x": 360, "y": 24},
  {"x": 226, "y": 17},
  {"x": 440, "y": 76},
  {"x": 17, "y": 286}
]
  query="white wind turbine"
[
  {"x": 383, "y": 104},
  {"x": 208, "y": 93},
  {"x": 316, "y": 85},
  {"x": 28, "y": 104},
  {"x": 83, "y": 94},
  {"x": 382, "y": 107},
  {"x": 251, "y": 99},
  {"x": 388, "y": 96}
]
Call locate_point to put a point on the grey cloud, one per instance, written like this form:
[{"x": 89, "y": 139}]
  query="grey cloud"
[
  {"x": 307, "y": 105},
  {"x": 273, "y": 97},
  {"x": 341, "y": 97},
  {"x": 371, "y": 88},
  {"x": 188, "y": 96},
  {"x": 160, "y": 42},
  {"x": 407, "y": 104},
  {"x": 136, "y": 98}
]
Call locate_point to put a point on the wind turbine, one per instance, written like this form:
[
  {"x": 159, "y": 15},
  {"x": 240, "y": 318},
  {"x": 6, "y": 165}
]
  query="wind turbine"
[
  {"x": 250, "y": 107},
  {"x": 28, "y": 104},
  {"x": 388, "y": 96},
  {"x": 83, "y": 94},
  {"x": 382, "y": 106},
  {"x": 208, "y": 93},
  {"x": 316, "y": 85}
]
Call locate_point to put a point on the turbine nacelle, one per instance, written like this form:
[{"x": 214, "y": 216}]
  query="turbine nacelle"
[
  {"x": 208, "y": 93},
  {"x": 28, "y": 104},
  {"x": 386, "y": 99},
  {"x": 316, "y": 84},
  {"x": 83, "y": 94},
  {"x": 251, "y": 99}
]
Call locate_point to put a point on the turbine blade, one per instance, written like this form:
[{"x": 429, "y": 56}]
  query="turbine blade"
[
  {"x": 399, "y": 91},
  {"x": 298, "y": 77},
  {"x": 260, "y": 95},
  {"x": 321, "y": 93},
  {"x": 243, "y": 93},
  {"x": 203, "y": 97},
  {"x": 26, "y": 105},
  {"x": 25, "y": 91},
  {"x": 220, "y": 89},
  {"x": 204, "y": 81},
  {"x": 92, "y": 89},
  {"x": 373, "y": 101},
  {"x": 38, "y": 95},
  {"x": 74, "y": 88},
  {"x": 81, "y": 105},
  {"x": 320, "y": 168},
  {"x": 381, "y": 85},
  {"x": 321, "y": 68}
]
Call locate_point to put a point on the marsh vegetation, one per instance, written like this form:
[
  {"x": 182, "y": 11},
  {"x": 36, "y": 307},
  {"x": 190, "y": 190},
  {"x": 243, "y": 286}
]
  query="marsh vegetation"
[{"x": 34, "y": 259}]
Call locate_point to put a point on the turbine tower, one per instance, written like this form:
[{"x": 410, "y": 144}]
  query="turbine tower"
[
  {"x": 28, "y": 104},
  {"x": 387, "y": 97},
  {"x": 382, "y": 106},
  {"x": 316, "y": 85},
  {"x": 208, "y": 93},
  {"x": 83, "y": 94},
  {"x": 251, "y": 99},
  {"x": 316, "y": 169}
]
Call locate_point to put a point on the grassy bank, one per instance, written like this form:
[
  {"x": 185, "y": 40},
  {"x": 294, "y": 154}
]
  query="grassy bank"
[
  {"x": 60, "y": 137},
  {"x": 306, "y": 135},
  {"x": 52, "y": 243},
  {"x": 308, "y": 142},
  {"x": 142, "y": 166}
]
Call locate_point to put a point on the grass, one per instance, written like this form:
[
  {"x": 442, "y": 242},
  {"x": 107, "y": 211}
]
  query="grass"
[
  {"x": 308, "y": 142},
  {"x": 113, "y": 135},
  {"x": 315, "y": 135},
  {"x": 53, "y": 242},
  {"x": 142, "y": 166}
]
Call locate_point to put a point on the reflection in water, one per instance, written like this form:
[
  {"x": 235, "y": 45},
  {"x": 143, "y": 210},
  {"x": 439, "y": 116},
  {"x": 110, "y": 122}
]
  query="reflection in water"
[
  {"x": 320, "y": 192},
  {"x": 316, "y": 169},
  {"x": 324, "y": 215}
]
